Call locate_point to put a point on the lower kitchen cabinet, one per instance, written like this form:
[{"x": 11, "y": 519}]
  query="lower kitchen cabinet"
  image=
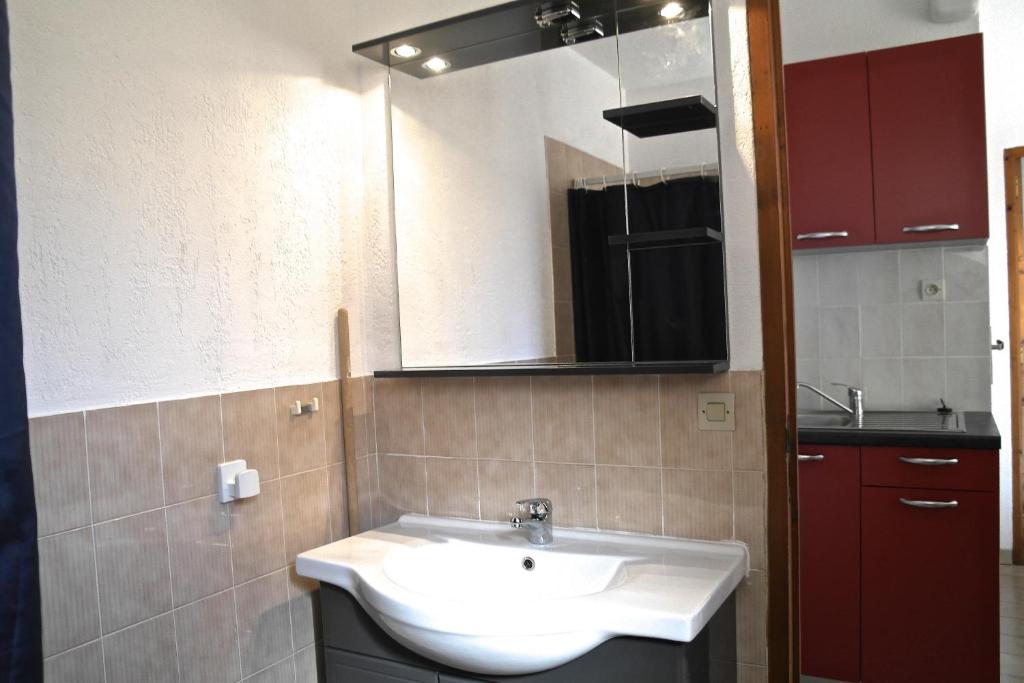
[
  {"x": 829, "y": 481},
  {"x": 931, "y": 585}
]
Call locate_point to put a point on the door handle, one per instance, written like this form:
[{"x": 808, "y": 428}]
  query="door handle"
[
  {"x": 939, "y": 227},
  {"x": 930, "y": 504},
  {"x": 810, "y": 458},
  {"x": 930, "y": 462},
  {"x": 835, "y": 234}
]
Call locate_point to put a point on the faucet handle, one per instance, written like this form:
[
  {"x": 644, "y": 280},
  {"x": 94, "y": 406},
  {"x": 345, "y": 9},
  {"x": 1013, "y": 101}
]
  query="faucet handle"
[{"x": 536, "y": 508}]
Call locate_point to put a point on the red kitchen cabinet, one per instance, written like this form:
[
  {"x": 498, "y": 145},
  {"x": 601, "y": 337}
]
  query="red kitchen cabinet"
[
  {"x": 930, "y": 585},
  {"x": 829, "y": 514},
  {"x": 928, "y": 141},
  {"x": 830, "y": 192}
]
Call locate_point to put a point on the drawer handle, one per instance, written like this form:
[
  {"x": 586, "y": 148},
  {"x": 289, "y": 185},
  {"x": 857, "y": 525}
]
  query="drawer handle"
[
  {"x": 835, "y": 234},
  {"x": 932, "y": 228},
  {"x": 931, "y": 462},
  {"x": 930, "y": 504},
  {"x": 810, "y": 458}
]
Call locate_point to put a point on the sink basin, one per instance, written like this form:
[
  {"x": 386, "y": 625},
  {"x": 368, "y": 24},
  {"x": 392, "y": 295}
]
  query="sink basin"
[
  {"x": 824, "y": 420},
  {"x": 459, "y": 592}
]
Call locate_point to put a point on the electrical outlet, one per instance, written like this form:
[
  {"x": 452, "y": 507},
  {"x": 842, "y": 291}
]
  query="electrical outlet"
[
  {"x": 933, "y": 290},
  {"x": 717, "y": 412}
]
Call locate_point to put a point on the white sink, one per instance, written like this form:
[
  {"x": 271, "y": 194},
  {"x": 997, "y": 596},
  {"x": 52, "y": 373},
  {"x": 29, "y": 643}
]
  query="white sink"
[{"x": 457, "y": 591}]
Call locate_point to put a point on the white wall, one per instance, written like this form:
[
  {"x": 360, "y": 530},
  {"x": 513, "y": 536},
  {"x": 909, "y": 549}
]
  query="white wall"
[
  {"x": 1002, "y": 22},
  {"x": 188, "y": 183}
]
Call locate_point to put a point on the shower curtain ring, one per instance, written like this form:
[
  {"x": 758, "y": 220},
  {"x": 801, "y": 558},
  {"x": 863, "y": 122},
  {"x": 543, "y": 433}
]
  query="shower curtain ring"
[{"x": 662, "y": 174}]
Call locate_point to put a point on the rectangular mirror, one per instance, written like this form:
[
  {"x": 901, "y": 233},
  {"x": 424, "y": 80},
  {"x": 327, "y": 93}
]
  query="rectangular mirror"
[{"x": 557, "y": 201}]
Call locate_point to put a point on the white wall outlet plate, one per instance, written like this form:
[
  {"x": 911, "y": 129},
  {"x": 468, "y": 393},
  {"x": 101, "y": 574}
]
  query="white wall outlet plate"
[
  {"x": 716, "y": 412},
  {"x": 933, "y": 290}
]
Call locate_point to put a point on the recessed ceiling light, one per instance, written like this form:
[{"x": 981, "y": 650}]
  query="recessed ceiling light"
[
  {"x": 436, "y": 64},
  {"x": 406, "y": 51},
  {"x": 671, "y": 11}
]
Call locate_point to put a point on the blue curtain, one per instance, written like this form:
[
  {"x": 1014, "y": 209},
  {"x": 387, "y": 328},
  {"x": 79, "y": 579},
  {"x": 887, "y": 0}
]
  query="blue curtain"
[{"x": 20, "y": 634}]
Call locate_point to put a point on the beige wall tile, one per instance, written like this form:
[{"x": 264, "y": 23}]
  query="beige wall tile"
[
  {"x": 751, "y": 514},
  {"x": 751, "y": 620},
  {"x": 698, "y": 504},
  {"x": 306, "y": 507},
  {"x": 60, "y": 472},
  {"x": 304, "y": 603},
  {"x": 124, "y": 460},
  {"x": 561, "y": 262},
  {"x": 331, "y": 407},
  {"x": 81, "y": 665},
  {"x": 565, "y": 334},
  {"x": 452, "y": 489},
  {"x": 366, "y": 487},
  {"x": 403, "y": 487},
  {"x": 145, "y": 652},
  {"x": 67, "y": 577},
  {"x": 572, "y": 490},
  {"x": 749, "y": 438},
  {"x": 191, "y": 444},
  {"x": 629, "y": 499},
  {"x": 282, "y": 672},
  {"x": 563, "y": 419},
  {"x": 398, "y": 414},
  {"x": 300, "y": 438},
  {"x": 264, "y": 630},
  {"x": 134, "y": 580},
  {"x": 257, "y": 533},
  {"x": 448, "y": 419},
  {"x": 627, "y": 420},
  {"x": 207, "y": 640},
  {"x": 503, "y": 418},
  {"x": 198, "y": 536},
  {"x": 502, "y": 483},
  {"x": 746, "y": 673},
  {"x": 250, "y": 431},
  {"x": 682, "y": 443},
  {"x": 308, "y": 662},
  {"x": 338, "y": 497}
]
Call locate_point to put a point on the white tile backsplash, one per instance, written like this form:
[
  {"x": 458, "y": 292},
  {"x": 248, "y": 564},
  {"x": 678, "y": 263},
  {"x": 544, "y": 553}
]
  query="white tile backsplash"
[{"x": 861, "y": 319}]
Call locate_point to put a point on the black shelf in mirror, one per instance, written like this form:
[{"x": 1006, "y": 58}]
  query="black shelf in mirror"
[
  {"x": 663, "y": 239},
  {"x": 667, "y": 117},
  {"x": 702, "y": 367}
]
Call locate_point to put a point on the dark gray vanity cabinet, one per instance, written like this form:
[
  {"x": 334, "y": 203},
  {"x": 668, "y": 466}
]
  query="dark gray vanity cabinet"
[{"x": 359, "y": 651}]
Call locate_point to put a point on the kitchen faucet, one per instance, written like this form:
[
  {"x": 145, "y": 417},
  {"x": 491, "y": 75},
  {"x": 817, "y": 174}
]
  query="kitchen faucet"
[
  {"x": 856, "y": 396},
  {"x": 534, "y": 516}
]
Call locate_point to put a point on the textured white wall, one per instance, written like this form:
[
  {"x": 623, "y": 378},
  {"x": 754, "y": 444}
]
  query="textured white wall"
[{"x": 188, "y": 174}]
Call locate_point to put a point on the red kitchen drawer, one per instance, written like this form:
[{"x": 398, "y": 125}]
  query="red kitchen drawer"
[{"x": 930, "y": 468}]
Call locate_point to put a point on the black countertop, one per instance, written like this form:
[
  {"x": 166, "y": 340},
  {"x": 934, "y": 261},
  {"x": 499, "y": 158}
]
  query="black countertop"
[{"x": 981, "y": 434}]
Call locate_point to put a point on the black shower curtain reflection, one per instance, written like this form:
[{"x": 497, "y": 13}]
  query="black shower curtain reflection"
[
  {"x": 20, "y": 639},
  {"x": 679, "y": 309}
]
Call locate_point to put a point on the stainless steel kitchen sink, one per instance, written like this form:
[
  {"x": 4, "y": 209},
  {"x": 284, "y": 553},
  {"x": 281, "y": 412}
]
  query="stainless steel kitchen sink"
[{"x": 884, "y": 421}]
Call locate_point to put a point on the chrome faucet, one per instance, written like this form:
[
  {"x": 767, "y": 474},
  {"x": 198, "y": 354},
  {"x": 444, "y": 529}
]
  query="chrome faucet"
[
  {"x": 856, "y": 397},
  {"x": 534, "y": 516}
]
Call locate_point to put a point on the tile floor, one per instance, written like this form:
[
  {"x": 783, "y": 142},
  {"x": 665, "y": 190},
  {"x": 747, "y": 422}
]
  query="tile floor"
[{"x": 1011, "y": 623}]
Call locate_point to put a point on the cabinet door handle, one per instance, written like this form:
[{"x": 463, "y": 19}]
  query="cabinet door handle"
[
  {"x": 836, "y": 234},
  {"x": 940, "y": 227},
  {"x": 810, "y": 458},
  {"x": 930, "y": 504},
  {"x": 930, "y": 462}
]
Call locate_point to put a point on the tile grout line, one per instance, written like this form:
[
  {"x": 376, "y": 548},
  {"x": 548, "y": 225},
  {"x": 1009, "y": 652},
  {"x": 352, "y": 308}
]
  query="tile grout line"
[
  {"x": 327, "y": 471},
  {"x": 167, "y": 538},
  {"x": 593, "y": 441},
  {"x": 284, "y": 535},
  {"x": 476, "y": 455},
  {"x": 661, "y": 456},
  {"x": 92, "y": 535},
  {"x": 231, "y": 544}
]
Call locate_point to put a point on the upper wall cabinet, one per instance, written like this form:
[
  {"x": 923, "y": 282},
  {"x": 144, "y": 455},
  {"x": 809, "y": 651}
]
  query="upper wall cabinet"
[
  {"x": 889, "y": 147},
  {"x": 928, "y": 141}
]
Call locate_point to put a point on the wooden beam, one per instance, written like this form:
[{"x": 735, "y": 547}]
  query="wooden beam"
[
  {"x": 1015, "y": 272},
  {"x": 348, "y": 422},
  {"x": 766, "y": 84}
]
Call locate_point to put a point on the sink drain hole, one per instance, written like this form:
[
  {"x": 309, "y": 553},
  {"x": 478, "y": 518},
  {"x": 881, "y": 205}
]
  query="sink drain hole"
[{"x": 529, "y": 564}]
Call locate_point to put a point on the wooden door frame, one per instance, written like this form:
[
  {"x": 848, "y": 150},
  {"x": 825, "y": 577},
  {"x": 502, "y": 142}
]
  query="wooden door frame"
[
  {"x": 1014, "y": 260},
  {"x": 776, "y": 263}
]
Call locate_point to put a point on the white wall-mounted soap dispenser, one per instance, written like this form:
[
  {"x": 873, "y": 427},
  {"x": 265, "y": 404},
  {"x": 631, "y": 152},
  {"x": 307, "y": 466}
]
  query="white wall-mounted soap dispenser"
[{"x": 235, "y": 481}]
